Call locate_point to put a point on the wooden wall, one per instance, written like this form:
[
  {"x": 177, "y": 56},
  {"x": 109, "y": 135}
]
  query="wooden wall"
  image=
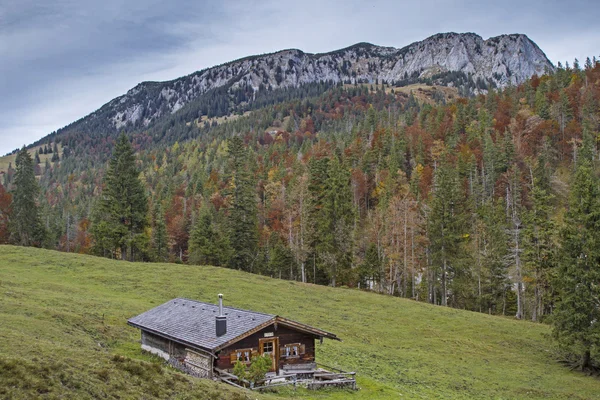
[{"x": 286, "y": 336}]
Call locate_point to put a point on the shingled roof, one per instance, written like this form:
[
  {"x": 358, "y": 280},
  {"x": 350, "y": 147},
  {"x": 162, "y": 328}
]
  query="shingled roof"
[{"x": 193, "y": 323}]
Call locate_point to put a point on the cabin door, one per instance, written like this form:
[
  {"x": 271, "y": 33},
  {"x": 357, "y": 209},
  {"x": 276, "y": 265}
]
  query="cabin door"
[{"x": 270, "y": 346}]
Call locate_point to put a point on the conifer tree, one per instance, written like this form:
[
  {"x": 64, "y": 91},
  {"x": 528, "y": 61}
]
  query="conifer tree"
[
  {"x": 447, "y": 231},
  {"x": 514, "y": 211},
  {"x": 576, "y": 318},
  {"x": 26, "y": 223},
  {"x": 541, "y": 103},
  {"x": 331, "y": 217},
  {"x": 370, "y": 270},
  {"x": 339, "y": 214},
  {"x": 159, "y": 233},
  {"x": 539, "y": 239},
  {"x": 281, "y": 262},
  {"x": 121, "y": 215},
  {"x": 491, "y": 272},
  {"x": 207, "y": 245},
  {"x": 243, "y": 233}
]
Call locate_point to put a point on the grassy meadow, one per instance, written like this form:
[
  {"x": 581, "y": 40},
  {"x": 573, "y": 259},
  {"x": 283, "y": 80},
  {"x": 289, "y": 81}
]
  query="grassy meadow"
[
  {"x": 7, "y": 160},
  {"x": 63, "y": 334}
]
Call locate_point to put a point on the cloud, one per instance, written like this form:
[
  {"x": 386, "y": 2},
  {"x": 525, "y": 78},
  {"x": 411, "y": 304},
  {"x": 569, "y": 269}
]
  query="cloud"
[{"x": 63, "y": 59}]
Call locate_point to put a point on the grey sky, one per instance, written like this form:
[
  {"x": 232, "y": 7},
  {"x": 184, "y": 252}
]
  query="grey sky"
[{"x": 62, "y": 59}]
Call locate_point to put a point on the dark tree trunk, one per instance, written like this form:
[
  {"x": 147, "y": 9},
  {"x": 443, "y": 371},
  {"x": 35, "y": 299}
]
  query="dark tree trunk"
[{"x": 586, "y": 360}]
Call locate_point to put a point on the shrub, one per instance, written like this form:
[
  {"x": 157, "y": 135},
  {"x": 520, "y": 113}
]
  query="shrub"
[
  {"x": 259, "y": 367},
  {"x": 256, "y": 372},
  {"x": 239, "y": 370}
]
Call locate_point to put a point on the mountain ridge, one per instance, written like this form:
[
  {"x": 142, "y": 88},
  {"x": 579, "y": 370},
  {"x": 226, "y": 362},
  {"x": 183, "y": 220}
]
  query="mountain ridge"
[{"x": 498, "y": 61}]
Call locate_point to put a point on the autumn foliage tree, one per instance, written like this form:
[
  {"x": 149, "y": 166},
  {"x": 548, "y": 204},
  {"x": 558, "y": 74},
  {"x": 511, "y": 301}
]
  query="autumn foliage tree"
[
  {"x": 454, "y": 201},
  {"x": 5, "y": 213}
]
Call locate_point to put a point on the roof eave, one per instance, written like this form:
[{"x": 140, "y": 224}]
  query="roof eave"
[
  {"x": 174, "y": 339},
  {"x": 307, "y": 328}
]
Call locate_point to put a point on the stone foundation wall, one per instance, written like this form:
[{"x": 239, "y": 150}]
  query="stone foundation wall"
[
  {"x": 191, "y": 362},
  {"x": 155, "y": 345}
]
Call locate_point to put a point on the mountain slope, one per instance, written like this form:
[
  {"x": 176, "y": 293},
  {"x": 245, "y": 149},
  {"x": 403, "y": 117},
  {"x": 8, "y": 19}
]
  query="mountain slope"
[
  {"x": 498, "y": 61},
  {"x": 64, "y": 329}
]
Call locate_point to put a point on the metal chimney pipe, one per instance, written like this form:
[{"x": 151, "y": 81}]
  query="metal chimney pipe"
[{"x": 221, "y": 320}]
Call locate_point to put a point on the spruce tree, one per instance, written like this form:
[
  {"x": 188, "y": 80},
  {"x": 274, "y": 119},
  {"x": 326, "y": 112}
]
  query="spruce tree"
[
  {"x": 207, "y": 245},
  {"x": 121, "y": 215},
  {"x": 159, "y": 234},
  {"x": 281, "y": 262},
  {"x": 339, "y": 213},
  {"x": 331, "y": 217},
  {"x": 317, "y": 222},
  {"x": 369, "y": 272},
  {"x": 243, "y": 232},
  {"x": 539, "y": 239},
  {"x": 493, "y": 282},
  {"x": 447, "y": 231},
  {"x": 26, "y": 223},
  {"x": 576, "y": 318}
]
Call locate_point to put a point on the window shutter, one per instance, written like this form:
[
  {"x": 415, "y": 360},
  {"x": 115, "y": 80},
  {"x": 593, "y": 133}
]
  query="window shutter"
[
  {"x": 254, "y": 353},
  {"x": 301, "y": 349},
  {"x": 282, "y": 352},
  {"x": 233, "y": 357}
]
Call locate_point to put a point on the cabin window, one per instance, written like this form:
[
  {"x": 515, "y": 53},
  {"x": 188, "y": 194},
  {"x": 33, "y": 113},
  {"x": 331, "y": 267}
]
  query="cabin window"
[
  {"x": 242, "y": 355},
  {"x": 268, "y": 347},
  {"x": 293, "y": 350}
]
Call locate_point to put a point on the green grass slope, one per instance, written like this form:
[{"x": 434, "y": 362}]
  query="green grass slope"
[{"x": 63, "y": 334}]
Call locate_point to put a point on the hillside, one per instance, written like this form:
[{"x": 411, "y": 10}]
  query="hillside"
[
  {"x": 63, "y": 331},
  {"x": 9, "y": 159},
  {"x": 234, "y": 86}
]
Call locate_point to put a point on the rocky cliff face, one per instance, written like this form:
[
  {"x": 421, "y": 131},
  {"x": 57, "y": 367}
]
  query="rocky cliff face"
[{"x": 498, "y": 61}]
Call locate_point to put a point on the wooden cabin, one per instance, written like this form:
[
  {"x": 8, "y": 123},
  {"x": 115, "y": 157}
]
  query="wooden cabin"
[{"x": 201, "y": 338}]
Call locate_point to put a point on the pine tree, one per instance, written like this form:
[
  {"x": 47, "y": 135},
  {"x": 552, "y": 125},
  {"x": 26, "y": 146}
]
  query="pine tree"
[
  {"x": 121, "y": 215},
  {"x": 26, "y": 223},
  {"x": 243, "y": 233},
  {"x": 577, "y": 314}
]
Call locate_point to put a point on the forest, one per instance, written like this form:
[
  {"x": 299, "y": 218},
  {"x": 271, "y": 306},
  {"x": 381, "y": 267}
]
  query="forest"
[{"x": 488, "y": 203}]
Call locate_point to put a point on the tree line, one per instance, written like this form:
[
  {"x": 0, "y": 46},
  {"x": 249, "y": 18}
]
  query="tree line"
[{"x": 487, "y": 203}]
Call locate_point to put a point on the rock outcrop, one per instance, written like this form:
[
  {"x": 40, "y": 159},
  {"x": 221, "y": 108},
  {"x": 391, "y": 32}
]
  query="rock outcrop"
[{"x": 498, "y": 61}]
